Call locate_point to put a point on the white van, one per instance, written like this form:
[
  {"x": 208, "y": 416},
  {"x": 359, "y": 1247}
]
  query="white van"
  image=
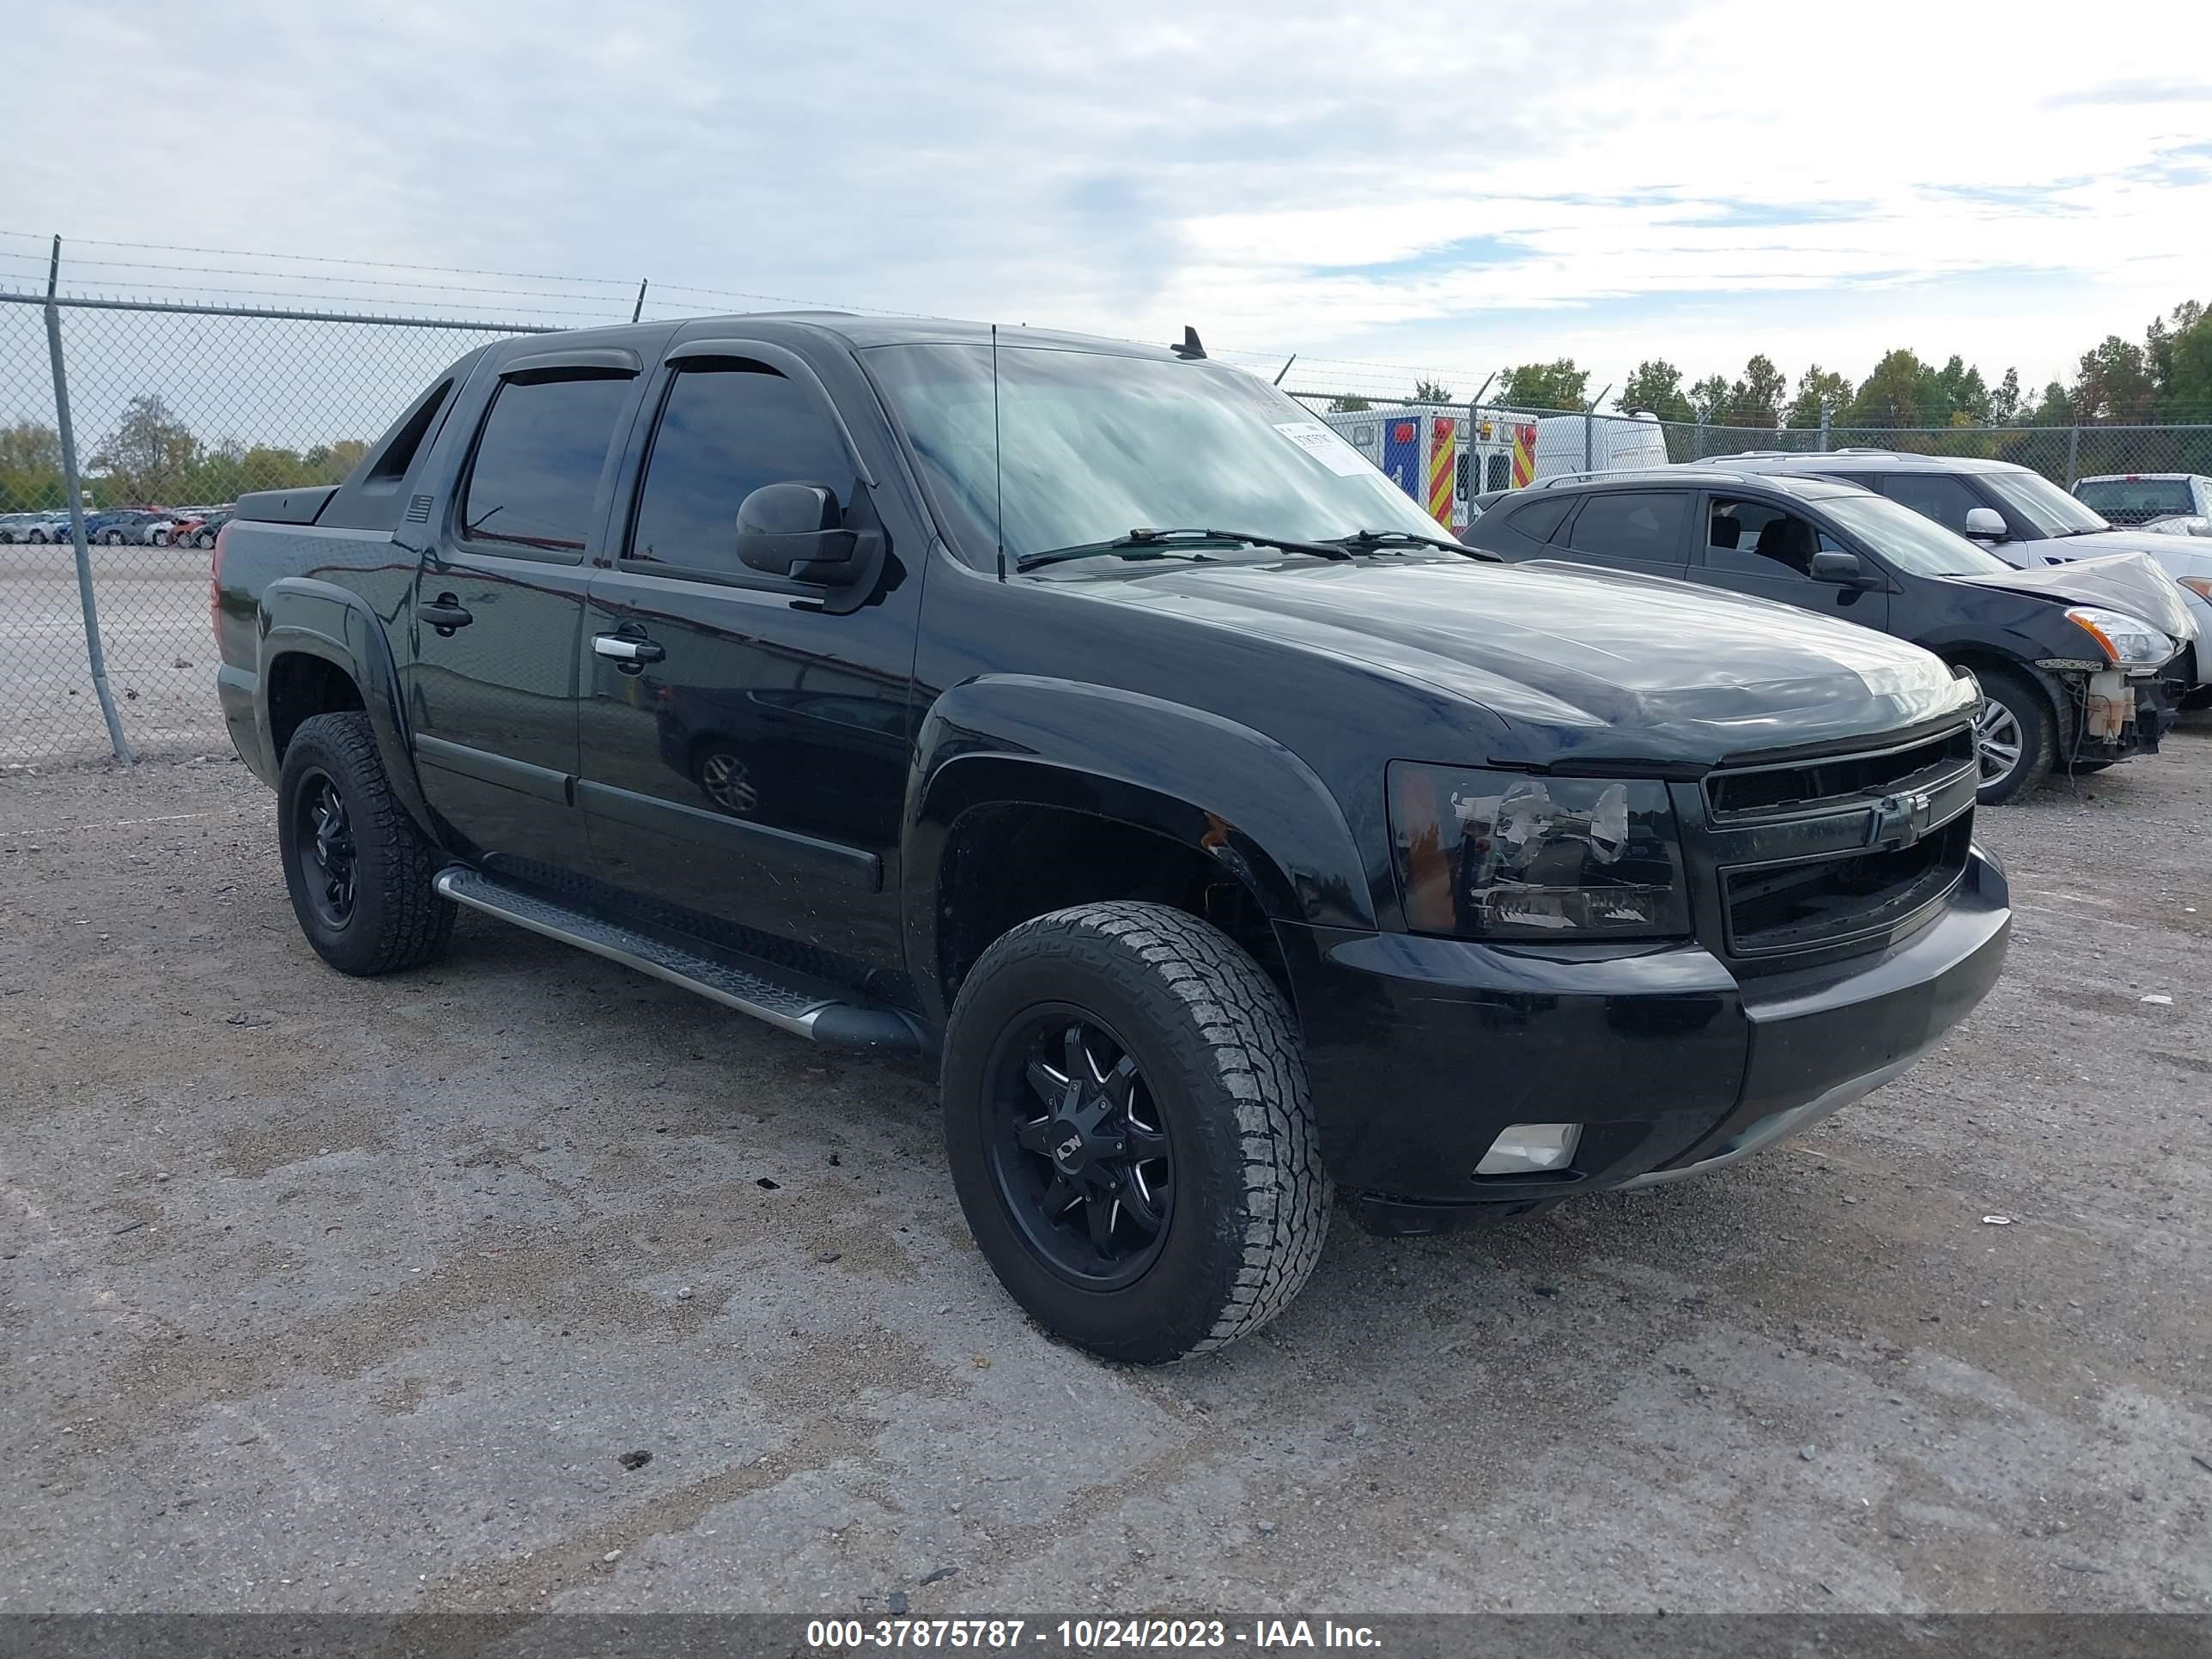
[{"x": 1614, "y": 443}]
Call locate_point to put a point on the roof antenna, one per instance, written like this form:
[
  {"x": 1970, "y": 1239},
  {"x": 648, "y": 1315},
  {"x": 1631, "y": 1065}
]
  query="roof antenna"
[
  {"x": 998, "y": 459},
  {"x": 1190, "y": 348}
]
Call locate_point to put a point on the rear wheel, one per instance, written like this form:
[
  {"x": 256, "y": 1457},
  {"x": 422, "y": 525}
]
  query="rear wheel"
[
  {"x": 1127, "y": 1119},
  {"x": 203, "y": 539},
  {"x": 357, "y": 868},
  {"x": 113, "y": 538},
  {"x": 2015, "y": 737}
]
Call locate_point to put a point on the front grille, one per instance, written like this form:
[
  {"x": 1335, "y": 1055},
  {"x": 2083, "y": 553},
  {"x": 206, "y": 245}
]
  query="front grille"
[
  {"x": 1768, "y": 789},
  {"x": 1795, "y": 907}
]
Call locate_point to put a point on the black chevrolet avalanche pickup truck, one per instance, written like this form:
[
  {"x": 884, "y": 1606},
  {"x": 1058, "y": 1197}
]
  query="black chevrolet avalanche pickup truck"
[{"x": 1092, "y": 721}]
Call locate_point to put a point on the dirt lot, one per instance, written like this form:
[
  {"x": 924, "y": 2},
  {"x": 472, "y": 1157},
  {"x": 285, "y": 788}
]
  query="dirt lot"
[{"x": 324, "y": 1294}]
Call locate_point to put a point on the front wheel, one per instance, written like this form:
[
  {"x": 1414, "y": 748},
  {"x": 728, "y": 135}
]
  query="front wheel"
[
  {"x": 203, "y": 540},
  {"x": 1127, "y": 1119},
  {"x": 113, "y": 538},
  {"x": 160, "y": 538},
  {"x": 358, "y": 870},
  {"x": 2015, "y": 737}
]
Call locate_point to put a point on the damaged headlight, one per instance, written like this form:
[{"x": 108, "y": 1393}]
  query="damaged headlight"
[
  {"x": 1501, "y": 855},
  {"x": 2126, "y": 641}
]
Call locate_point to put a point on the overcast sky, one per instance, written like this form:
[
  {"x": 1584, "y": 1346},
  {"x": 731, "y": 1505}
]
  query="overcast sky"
[{"x": 1448, "y": 187}]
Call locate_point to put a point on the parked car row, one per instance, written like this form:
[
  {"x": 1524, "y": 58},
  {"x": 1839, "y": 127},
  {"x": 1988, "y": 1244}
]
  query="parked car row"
[
  {"x": 127, "y": 526},
  {"x": 2078, "y": 668}
]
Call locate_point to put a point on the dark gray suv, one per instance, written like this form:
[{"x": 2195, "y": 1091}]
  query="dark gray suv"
[{"x": 2074, "y": 662}]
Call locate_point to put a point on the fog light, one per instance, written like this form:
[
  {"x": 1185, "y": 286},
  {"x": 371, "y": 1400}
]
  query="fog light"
[{"x": 1525, "y": 1146}]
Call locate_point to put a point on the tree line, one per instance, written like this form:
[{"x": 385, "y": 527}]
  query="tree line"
[
  {"x": 152, "y": 457},
  {"x": 2165, "y": 379}
]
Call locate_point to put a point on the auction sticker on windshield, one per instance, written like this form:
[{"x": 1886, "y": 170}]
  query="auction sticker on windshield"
[{"x": 1325, "y": 446}]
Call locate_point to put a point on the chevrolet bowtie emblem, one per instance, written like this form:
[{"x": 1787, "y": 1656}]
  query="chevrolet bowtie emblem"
[{"x": 1900, "y": 820}]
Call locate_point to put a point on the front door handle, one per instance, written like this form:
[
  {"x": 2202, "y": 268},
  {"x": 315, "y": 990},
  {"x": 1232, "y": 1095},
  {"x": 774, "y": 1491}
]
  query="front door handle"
[
  {"x": 628, "y": 652},
  {"x": 446, "y": 614}
]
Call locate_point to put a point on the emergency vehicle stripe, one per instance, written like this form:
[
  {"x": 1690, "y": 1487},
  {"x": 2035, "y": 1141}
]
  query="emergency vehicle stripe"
[
  {"x": 1524, "y": 456},
  {"x": 1444, "y": 458}
]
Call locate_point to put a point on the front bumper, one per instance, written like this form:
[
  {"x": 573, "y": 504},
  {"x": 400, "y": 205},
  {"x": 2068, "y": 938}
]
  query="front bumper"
[{"x": 1420, "y": 1050}]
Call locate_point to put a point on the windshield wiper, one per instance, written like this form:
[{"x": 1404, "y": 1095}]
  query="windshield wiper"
[
  {"x": 1362, "y": 541},
  {"x": 1143, "y": 543}
]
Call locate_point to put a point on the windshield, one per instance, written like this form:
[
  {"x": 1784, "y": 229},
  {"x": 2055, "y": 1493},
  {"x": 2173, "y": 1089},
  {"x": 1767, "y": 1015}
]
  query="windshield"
[
  {"x": 2135, "y": 501},
  {"x": 2042, "y": 503},
  {"x": 1911, "y": 542},
  {"x": 1097, "y": 445}
]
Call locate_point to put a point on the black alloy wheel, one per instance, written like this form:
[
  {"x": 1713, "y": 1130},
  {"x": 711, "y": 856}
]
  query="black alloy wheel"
[
  {"x": 1079, "y": 1148},
  {"x": 323, "y": 837}
]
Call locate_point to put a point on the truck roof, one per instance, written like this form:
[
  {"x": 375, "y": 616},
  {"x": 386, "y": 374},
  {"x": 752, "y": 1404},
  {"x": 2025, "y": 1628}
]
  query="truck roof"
[{"x": 859, "y": 331}]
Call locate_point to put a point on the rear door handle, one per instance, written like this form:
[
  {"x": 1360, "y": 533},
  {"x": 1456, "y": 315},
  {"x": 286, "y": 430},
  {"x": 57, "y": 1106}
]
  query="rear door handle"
[
  {"x": 446, "y": 614},
  {"x": 624, "y": 649}
]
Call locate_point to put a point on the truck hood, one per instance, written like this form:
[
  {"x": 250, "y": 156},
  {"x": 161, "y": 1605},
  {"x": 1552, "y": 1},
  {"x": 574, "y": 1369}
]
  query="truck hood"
[
  {"x": 1579, "y": 664},
  {"x": 2133, "y": 582}
]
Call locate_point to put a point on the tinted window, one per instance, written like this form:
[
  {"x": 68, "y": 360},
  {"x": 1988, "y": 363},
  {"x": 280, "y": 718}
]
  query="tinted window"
[
  {"x": 1760, "y": 540},
  {"x": 537, "y": 464},
  {"x": 1908, "y": 541},
  {"x": 2135, "y": 500},
  {"x": 1498, "y": 472},
  {"x": 1932, "y": 496},
  {"x": 723, "y": 433},
  {"x": 1632, "y": 526},
  {"x": 1539, "y": 519}
]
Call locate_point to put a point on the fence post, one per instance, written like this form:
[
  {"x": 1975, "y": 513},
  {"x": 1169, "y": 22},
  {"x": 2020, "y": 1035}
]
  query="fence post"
[
  {"x": 96, "y": 658},
  {"x": 1826, "y": 414},
  {"x": 1589, "y": 433},
  {"x": 2072, "y": 454}
]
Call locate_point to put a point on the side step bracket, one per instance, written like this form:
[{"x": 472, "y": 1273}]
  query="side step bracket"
[{"x": 804, "y": 1007}]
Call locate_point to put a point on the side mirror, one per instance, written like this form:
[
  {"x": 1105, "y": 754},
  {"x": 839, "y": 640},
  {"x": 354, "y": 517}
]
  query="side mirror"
[
  {"x": 796, "y": 530},
  {"x": 1986, "y": 524},
  {"x": 1842, "y": 570}
]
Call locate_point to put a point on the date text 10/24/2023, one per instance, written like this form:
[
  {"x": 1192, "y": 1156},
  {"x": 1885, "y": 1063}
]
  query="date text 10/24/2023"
[{"x": 1086, "y": 1635}]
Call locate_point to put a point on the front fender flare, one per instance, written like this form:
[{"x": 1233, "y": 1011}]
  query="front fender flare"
[{"x": 1228, "y": 791}]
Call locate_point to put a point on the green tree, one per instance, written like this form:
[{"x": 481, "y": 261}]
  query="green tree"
[
  {"x": 2115, "y": 383},
  {"x": 1890, "y": 395},
  {"x": 1556, "y": 384},
  {"x": 1709, "y": 397},
  {"x": 1755, "y": 400},
  {"x": 1817, "y": 388},
  {"x": 146, "y": 456},
  {"x": 1656, "y": 385},
  {"x": 1426, "y": 391},
  {"x": 1951, "y": 392},
  {"x": 2004, "y": 402},
  {"x": 30, "y": 467},
  {"x": 2178, "y": 352},
  {"x": 1348, "y": 405}
]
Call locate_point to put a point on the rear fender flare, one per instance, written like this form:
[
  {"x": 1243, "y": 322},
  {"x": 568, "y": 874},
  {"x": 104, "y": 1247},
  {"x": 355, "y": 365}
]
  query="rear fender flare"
[{"x": 301, "y": 616}]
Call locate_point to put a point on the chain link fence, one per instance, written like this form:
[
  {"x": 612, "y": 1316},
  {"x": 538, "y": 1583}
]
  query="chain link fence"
[
  {"x": 178, "y": 409},
  {"x": 175, "y": 411}
]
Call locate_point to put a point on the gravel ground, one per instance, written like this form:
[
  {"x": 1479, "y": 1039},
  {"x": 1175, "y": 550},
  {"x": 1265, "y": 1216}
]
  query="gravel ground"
[{"x": 320, "y": 1294}]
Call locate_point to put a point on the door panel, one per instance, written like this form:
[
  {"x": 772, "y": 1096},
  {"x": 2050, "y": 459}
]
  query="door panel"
[
  {"x": 756, "y": 772},
  {"x": 498, "y": 610},
  {"x": 1764, "y": 550},
  {"x": 493, "y": 706},
  {"x": 744, "y": 746}
]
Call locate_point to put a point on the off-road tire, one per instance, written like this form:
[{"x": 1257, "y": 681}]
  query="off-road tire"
[
  {"x": 2039, "y": 730},
  {"x": 1221, "y": 1060},
  {"x": 398, "y": 920}
]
